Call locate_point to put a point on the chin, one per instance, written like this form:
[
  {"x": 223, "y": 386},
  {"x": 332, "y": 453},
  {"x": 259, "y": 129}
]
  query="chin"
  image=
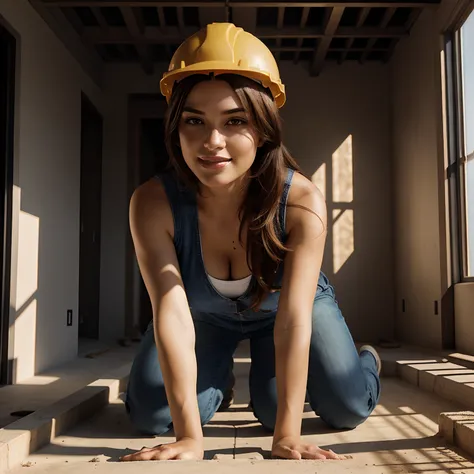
[{"x": 219, "y": 178}]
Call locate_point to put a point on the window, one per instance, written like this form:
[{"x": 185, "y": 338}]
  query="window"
[
  {"x": 461, "y": 80},
  {"x": 467, "y": 147}
]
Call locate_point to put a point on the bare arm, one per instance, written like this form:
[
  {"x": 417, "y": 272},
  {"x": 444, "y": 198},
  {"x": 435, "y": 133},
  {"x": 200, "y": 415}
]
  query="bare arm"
[
  {"x": 151, "y": 225},
  {"x": 307, "y": 225}
]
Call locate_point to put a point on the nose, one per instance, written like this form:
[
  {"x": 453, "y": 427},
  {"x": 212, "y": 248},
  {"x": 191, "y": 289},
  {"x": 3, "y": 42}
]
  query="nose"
[{"x": 214, "y": 141}]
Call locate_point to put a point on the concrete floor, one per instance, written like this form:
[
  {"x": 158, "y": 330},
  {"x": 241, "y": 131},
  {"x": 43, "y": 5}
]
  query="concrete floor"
[
  {"x": 400, "y": 436},
  {"x": 93, "y": 361}
]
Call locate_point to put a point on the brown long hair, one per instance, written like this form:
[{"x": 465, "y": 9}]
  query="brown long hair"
[{"x": 260, "y": 208}]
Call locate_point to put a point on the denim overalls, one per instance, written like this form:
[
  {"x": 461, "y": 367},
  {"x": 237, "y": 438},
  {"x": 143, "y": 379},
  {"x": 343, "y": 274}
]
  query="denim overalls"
[{"x": 343, "y": 386}]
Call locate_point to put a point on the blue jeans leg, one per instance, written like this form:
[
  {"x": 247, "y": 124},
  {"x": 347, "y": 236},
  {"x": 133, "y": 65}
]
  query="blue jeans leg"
[
  {"x": 146, "y": 400},
  {"x": 343, "y": 387}
]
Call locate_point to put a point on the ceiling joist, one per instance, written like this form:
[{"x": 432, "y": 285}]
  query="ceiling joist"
[
  {"x": 389, "y": 12},
  {"x": 149, "y": 31},
  {"x": 323, "y": 46},
  {"x": 174, "y": 36},
  {"x": 303, "y": 21},
  {"x": 363, "y": 14},
  {"x": 136, "y": 26},
  {"x": 239, "y": 4}
]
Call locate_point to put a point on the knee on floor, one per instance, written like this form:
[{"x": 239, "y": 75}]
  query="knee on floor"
[
  {"x": 149, "y": 421},
  {"x": 342, "y": 417},
  {"x": 155, "y": 425},
  {"x": 266, "y": 415}
]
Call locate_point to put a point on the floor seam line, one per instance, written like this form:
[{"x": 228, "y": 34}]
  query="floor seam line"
[{"x": 235, "y": 441}]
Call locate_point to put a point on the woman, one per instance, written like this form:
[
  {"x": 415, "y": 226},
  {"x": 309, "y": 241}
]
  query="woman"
[{"x": 230, "y": 243}]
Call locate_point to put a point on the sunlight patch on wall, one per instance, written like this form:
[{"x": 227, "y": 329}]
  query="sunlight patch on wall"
[
  {"x": 342, "y": 192},
  {"x": 26, "y": 304},
  {"x": 342, "y": 174},
  {"x": 28, "y": 250},
  {"x": 342, "y": 238}
]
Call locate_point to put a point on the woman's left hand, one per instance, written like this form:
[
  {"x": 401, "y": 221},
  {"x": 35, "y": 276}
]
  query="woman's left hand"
[{"x": 295, "y": 448}]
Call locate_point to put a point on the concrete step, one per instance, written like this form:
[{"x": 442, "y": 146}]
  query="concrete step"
[
  {"x": 230, "y": 433},
  {"x": 400, "y": 436}
]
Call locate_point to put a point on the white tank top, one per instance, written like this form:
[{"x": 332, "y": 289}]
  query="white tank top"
[{"x": 230, "y": 288}]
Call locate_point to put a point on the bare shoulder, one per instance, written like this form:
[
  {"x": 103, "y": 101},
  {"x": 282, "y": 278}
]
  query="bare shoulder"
[
  {"x": 149, "y": 208},
  {"x": 306, "y": 203}
]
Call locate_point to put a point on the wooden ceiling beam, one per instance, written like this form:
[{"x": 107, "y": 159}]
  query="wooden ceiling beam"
[
  {"x": 180, "y": 14},
  {"x": 385, "y": 21},
  {"x": 173, "y": 35},
  {"x": 323, "y": 46},
  {"x": 363, "y": 14},
  {"x": 163, "y": 28},
  {"x": 280, "y": 21},
  {"x": 100, "y": 18},
  {"x": 415, "y": 13},
  {"x": 136, "y": 27},
  {"x": 240, "y": 4},
  {"x": 161, "y": 17},
  {"x": 304, "y": 20}
]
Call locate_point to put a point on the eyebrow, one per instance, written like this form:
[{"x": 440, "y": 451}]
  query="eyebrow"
[{"x": 226, "y": 112}]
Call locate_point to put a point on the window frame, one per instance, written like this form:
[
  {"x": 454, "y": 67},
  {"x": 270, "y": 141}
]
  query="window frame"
[{"x": 457, "y": 157}]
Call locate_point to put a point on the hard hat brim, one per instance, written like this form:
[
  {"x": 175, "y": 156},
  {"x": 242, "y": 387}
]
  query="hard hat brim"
[{"x": 277, "y": 89}]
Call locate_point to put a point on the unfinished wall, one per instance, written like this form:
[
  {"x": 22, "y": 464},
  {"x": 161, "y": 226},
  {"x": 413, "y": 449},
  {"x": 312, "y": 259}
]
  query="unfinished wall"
[
  {"x": 45, "y": 266},
  {"x": 119, "y": 81},
  {"x": 418, "y": 176},
  {"x": 337, "y": 126}
]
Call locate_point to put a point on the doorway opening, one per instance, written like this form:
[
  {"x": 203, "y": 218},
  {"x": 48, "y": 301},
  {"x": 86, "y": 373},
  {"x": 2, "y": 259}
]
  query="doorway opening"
[
  {"x": 147, "y": 157},
  {"x": 90, "y": 222},
  {"x": 7, "y": 108}
]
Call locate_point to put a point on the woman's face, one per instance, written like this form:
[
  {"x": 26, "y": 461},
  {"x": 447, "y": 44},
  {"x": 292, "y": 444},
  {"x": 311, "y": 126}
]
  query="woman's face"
[{"x": 217, "y": 140}]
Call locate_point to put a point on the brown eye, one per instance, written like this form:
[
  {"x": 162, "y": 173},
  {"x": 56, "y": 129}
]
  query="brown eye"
[
  {"x": 236, "y": 121},
  {"x": 193, "y": 121}
]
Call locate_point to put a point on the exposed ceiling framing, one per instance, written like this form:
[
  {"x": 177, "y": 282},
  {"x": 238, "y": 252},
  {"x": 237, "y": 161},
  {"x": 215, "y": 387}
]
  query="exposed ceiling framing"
[{"x": 149, "y": 31}]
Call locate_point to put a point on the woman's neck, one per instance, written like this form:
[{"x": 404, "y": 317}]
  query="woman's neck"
[{"x": 225, "y": 200}]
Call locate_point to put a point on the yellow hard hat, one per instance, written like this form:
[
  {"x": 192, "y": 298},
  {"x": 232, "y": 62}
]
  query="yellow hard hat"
[{"x": 223, "y": 48}]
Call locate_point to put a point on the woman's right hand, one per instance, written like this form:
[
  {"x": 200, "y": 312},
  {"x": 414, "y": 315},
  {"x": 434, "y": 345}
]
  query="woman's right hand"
[{"x": 185, "y": 449}]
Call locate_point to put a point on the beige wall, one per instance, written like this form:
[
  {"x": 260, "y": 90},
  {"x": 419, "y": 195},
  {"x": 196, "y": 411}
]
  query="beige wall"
[
  {"x": 119, "y": 81},
  {"x": 45, "y": 261},
  {"x": 418, "y": 176},
  {"x": 348, "y": 103}
]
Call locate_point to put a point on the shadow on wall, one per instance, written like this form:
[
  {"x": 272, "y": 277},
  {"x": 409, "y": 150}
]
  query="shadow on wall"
[
  {"x": 358, "y": 252},
  {"x": 25, "y": 305},
  {"x": 335, "y": 179}
]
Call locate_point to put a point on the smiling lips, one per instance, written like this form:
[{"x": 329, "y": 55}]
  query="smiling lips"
[
  {"x": 214, "y": 159},
  {"x": 213, "y": 162}
]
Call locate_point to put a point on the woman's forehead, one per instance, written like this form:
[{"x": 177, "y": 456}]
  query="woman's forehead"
[{"x": 213, "y": 94}]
